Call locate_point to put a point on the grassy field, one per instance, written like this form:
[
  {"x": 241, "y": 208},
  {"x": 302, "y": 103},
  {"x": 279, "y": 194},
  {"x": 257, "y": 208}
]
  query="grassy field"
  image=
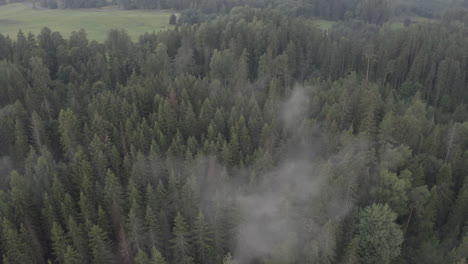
[
  {"x": 399, "y": 23},
  {"x": 394, "y": 24},
  {"x": 323, "y": 24},
  {"x": 14, "y": 17}
]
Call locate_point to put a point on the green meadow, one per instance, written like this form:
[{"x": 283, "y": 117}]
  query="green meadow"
[
  {"x": 95, "y": 22},
  {"x": 323, "y": 24}
]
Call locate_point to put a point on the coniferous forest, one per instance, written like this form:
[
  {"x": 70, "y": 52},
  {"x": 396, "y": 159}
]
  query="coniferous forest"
[{"x": 248, "y": 137}]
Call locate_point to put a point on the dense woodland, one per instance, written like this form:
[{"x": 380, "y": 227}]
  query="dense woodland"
[
  {"x": 369, "y": 11},
  {"x": 253, "y": 137}
]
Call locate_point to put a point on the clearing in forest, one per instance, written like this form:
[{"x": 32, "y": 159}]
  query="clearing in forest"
[{"x": 96, "y": 22}]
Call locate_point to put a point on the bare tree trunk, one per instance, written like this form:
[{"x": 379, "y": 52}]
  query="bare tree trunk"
[{"x": 408, "y": 222}]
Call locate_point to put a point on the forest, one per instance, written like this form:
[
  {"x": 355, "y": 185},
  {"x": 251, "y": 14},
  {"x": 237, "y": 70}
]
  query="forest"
[
  {"x": 370, "y": 11},
  {"x": 249, "y": 137}
]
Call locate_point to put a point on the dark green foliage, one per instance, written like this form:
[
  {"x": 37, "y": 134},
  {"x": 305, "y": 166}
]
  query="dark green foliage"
[
  {"x": 15, "y": 244},
  {"x": 172, "y": 19},
  {"x": 147, "y": 151},
  {"x": 99, "y": 245},
  {"x": 379, "y": 238},
  {"x": 202, "y": 240},
  {"x": 59, "y": 243},
  {"x": 181, "y": 243}
]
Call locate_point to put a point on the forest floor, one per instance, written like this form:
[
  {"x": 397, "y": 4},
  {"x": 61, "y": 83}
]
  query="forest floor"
[{"x": 96, "y": 22}]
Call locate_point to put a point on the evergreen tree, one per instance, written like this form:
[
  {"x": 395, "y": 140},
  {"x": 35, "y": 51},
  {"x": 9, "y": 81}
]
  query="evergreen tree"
[
  {"x": 135, "y": 230},
  {"x": 445, "y": 193},
  {"x": 99, "y": 245},
  {"x": 172, "y": 19},
  {"x": 69, "y": 131},
  {"x": 14, "y": 246},
  {"x": 156, "y": 257},
  {"x": 202, "y": 239},
  {"x": 78, "y": 238},
  {"x": 142, "y": 258},
  {"x": 181, "y": 245},
  {"x": 228, "y": 259},
  {"x": 59, "y": 242},
  {"x": 71, "y": 256},
  {"x": 379, "y": 237},
  {"x": 21, "y": 144}
]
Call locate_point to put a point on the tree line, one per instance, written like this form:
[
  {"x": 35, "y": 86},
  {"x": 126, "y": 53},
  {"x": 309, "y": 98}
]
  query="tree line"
[{"x": 368, "y": 11}]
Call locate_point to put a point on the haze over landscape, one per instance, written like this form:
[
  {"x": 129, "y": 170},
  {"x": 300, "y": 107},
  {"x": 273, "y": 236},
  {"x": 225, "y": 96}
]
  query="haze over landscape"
[{"x": 234, "y": 131}]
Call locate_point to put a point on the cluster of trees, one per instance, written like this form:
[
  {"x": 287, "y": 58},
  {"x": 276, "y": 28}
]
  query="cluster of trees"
[
  {"x": 70, "y": 4},
  {"x": 369, "y": 11},
  {"x": 4, "y": 2},
  {"x": 120, "y": 151},
  {"x": 456, "y": 15}
]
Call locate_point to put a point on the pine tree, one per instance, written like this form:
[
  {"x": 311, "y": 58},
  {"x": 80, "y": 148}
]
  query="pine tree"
[
  {"x": 87, "y": 208},
  {"x": 445, "y": 195},
  {"x": 59, "y": 242},
  {"x": 177, "y": 148},
  {"x": 103, "y": 221},
  {"x": 99, "y": 245},
  {"x": 161, "y": 195},
  {"x": 71, "y": 256},
  {"x": 207, "y": 112},
  {"x": 165, "y": 233},
  {"x": 351, "y": 254},
  {"x": 153, "y": 228},
  {"x": 156, "y": 257},
  {"x": 40, "y": 77},
  {"x": 69, "y": 128},
  {"x": 255, "y": 121},
  {"x": 173, "y": 194},
  {"x": 78, "y": 238},
  {"x": 234, "y": 149},
  {"x": 459, "y": 213},
  {"x": 172, "y": 19},
  {"x": 135, "y": 230},
  {"x": 98, "y": 159},
  {"x": 44, "y": 172},
  {"x": 241, "y": 71},
  {"x": 379, "y": 236},
  {"x": 189, "y": 121},
  {"x": 222, "y": 66},
  {"x": 68, "y": 208},
  {"x": 244, "y": 137},
  {"x": 228, "y": 259},
  {"x": 135, "y": 198},
  {"x": 14, "y": 246},
  {"x": 181, "y": 244},
  {"x": 393, "y": 190},
  {"x": 142, "y": 258},
  {"x": 202, "y": 240},
  {"x": 113, "y": 197},
  {"x": 220, "y": 122},
  {"x": 168, "y": 117},
  {"x": 21, "y": 143}
]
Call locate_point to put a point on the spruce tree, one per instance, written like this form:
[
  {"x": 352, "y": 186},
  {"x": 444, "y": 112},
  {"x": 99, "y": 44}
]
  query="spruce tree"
[
  {"x": 100, "y": 246},
  {"x": 182, "y": 251}
]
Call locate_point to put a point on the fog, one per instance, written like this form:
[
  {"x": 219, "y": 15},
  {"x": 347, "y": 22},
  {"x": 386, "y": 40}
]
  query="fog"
[{"x": 293, "y": 201}]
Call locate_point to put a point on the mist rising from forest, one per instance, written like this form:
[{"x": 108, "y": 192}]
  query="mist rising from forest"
[{"x": 275, "y": 208}]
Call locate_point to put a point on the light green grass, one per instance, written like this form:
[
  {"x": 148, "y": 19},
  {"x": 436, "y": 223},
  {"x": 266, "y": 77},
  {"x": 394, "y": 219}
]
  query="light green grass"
[
  {"x": 14, "y": 17},
  {"x": 399, "y": 24},
  {"x": 323, "y": 24}
]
